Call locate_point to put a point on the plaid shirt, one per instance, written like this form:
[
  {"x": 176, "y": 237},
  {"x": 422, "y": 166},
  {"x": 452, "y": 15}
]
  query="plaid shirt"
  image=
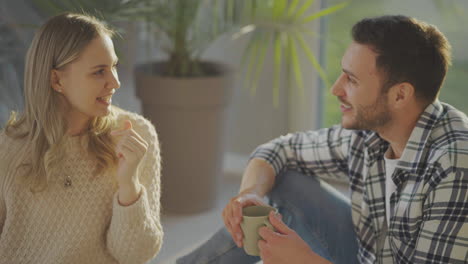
[{"x": 429, "y": 209}]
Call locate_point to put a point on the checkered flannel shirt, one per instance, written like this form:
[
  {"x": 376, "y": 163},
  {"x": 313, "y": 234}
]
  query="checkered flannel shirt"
[{"x": 429, "y": 209}]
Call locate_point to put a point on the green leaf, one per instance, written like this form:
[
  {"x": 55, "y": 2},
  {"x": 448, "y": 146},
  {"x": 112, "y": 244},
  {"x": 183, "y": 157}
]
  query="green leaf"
[
  {"x": 325, "y": 12},
  {"x": 278, "y": 7},
  {"x": 303, "y": 9},
  {"x": 313, "y": 60},
  {"x": 293, "y": 7},
  {"x": 296, "y": 65},
  {"x": 215, "y": 17},
  {"x": 227, "y": 10},
  {"x": 251, "y": 54},
  {"x": 277, "y": 63},
  {"x": 287, "y": 58},
  {"x": 310, "y": 33},
  {"x": 264, "y": 43}
]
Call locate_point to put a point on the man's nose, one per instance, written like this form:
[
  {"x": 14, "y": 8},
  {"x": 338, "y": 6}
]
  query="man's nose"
[{"x": 337, "y": 88}]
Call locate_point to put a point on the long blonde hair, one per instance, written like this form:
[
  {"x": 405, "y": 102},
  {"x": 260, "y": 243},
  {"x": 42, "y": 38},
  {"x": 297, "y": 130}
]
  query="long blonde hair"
[{"x": 42, "y": 124}]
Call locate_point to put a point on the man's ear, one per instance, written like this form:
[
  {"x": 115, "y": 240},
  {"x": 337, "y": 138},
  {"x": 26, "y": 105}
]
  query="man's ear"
[
  {"x": 56, "y": 80},
  {"x": 401, "y": 95}
]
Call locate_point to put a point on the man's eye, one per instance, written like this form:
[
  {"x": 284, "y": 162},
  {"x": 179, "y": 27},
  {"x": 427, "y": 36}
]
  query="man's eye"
[{"x": 351, "y": 80}]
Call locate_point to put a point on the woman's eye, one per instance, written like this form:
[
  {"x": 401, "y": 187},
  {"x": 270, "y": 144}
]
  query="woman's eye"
[{"x": 100, "y": 72}]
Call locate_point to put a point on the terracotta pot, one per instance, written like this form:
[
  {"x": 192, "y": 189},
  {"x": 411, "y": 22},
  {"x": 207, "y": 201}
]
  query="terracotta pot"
[{"x": 189, "y": 115}]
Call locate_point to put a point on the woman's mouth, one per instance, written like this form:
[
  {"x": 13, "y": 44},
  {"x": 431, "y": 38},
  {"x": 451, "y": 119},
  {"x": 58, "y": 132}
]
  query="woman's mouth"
[{"x": 106, "y": 100}]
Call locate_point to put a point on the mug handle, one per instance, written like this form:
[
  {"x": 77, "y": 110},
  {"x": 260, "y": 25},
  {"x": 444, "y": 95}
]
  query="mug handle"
[{"x": 269, "y": 225}]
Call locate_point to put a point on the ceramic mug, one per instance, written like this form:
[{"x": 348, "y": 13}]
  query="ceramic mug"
[{"x": 253, "y": 218}]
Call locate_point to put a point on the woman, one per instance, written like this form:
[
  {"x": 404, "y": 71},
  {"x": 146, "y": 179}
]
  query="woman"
[{"x": 79, "y": 178}]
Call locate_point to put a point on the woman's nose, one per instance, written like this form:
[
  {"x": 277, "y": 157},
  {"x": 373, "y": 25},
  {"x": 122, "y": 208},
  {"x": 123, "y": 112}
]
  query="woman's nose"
[{"x": 114, "y": 82}]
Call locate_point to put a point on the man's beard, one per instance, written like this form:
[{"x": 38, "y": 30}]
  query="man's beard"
[{"x": 372, "y": 117}]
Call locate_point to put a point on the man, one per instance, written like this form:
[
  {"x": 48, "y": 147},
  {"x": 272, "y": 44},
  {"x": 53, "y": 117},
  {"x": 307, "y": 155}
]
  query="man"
[{"x": 404, "y": 153}]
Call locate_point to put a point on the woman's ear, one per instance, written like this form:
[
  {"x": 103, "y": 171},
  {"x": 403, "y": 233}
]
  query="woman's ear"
[{"x": 55, "y": 81}]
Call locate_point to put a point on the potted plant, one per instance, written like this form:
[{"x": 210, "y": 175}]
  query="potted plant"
[
  {"x": 10, "y": 92},
  {"x": 185, "y": 96}
]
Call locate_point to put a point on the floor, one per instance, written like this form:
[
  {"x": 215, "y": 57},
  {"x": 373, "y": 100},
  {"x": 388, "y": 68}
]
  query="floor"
[{"x": 183, "y": 233}]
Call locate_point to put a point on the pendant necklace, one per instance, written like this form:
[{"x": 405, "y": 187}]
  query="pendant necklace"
[{"x": 68, "y": 182}]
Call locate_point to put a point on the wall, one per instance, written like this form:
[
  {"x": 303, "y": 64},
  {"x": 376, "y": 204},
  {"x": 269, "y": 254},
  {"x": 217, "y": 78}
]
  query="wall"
[{"x": 250, "y": 120}]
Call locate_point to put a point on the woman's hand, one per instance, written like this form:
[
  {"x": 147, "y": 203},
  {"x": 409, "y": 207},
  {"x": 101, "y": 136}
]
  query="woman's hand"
[{"x": 130, "y": 149}]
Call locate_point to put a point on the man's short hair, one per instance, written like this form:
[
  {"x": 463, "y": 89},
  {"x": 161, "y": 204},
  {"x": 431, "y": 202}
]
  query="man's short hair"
[{"x": 408, "y": 51}]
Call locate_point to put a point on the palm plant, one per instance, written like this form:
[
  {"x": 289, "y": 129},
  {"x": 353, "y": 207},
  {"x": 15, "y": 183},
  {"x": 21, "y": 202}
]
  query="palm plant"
[
  {"x": 284, "y": 26},
  {"x": 185, "y": 28}
]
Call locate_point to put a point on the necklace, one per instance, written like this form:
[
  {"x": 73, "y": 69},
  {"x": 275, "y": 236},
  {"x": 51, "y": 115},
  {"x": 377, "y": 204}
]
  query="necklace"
[{"x": 68, "y": 182}]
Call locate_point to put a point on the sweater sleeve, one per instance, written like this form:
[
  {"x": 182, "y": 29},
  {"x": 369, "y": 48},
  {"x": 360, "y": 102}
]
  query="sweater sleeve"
[{"x": 135, "y": 234}]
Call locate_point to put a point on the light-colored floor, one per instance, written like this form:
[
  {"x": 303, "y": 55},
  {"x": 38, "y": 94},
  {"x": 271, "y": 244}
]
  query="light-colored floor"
[{"x": 183, "y": 233}]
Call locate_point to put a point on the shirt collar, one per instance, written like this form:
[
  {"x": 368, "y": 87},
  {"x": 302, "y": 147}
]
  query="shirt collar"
[
  {"x": 414, "y": 150},
  {"x": 411, "y": 158}
]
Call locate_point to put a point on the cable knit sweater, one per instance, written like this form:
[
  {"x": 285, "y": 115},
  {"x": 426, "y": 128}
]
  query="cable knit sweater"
[{"x": 82, "y": 223}]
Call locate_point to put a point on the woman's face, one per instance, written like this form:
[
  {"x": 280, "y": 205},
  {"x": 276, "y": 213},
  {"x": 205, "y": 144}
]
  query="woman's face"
[{"x": 89, "y": 82}]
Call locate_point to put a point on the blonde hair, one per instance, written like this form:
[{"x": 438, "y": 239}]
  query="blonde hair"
[{"x": 42, "y": 124}]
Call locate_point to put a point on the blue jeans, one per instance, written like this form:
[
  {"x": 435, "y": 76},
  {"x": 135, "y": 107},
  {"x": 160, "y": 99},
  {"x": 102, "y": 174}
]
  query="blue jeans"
[{"x": 315, "y": 210}]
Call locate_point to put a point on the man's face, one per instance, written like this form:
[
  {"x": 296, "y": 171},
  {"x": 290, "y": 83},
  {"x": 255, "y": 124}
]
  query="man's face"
[{"x": 363, "y": 105}]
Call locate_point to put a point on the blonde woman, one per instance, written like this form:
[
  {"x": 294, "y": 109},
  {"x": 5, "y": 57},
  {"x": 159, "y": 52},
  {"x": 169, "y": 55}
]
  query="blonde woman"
[{"x": 79, "y": 178}]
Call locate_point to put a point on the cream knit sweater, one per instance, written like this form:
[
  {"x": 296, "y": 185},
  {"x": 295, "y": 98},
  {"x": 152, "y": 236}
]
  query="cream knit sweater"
[{"x": 83, "y": 223}]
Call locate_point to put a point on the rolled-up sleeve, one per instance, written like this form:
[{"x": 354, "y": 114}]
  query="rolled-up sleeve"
[{"x": 323, "y": 153}]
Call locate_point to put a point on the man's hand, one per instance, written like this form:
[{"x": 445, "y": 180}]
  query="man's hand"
[
  {"x": 284, "y": 245},
  {"x": 232, "y": 213}
]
